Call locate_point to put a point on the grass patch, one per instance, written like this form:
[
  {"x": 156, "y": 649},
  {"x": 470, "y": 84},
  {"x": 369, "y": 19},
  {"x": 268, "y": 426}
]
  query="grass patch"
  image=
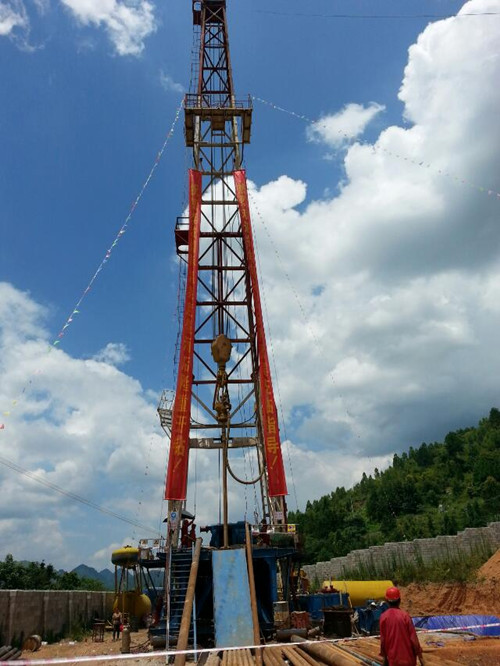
[
  {"x": 453, "y": 568},
  {"x": 79, "y": 629}
]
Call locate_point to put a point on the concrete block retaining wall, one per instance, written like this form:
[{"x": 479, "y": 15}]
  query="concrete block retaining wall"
[
  {"x": 426, "y": 550},
  {"x": 48, "y": 613}
]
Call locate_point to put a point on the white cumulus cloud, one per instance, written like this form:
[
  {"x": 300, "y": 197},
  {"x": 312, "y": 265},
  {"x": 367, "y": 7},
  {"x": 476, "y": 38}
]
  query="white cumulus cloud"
[
  {"x": 168, "y": 83},
  {"x": 12, "y": 16},
  {"x": 127, "y": 22},
  {"x": 92, "y": 431},
  {"x": 339, "y": 128},
  {"x": 114, "y": 353},
  {"x": 81, "y": 425},
  {"x": 386, "y": 292}
]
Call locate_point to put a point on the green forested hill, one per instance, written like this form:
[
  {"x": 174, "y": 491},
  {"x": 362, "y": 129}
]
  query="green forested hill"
[
  {"x": 438, "y": 488},
  {"x": 24, "y": 575}
]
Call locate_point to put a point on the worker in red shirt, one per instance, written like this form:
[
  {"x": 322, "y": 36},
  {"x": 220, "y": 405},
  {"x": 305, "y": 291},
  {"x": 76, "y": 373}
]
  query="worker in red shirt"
[
  {"x": 399, "y": 644},
  {"x": 185, "y": 538}
]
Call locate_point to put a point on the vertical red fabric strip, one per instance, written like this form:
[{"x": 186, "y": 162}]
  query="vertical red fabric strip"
[
  {"x": 274, "y": 459},
  {"x": 176, "y": 484}
]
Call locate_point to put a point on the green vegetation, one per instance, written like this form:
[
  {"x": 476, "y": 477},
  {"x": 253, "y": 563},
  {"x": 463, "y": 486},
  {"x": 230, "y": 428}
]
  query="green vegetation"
[
  {"x": 453, "y": 568},
  {"x": 438, "y": 488},
  {"x": 40, "y": 576},
  {"x": 79, "y": 630}
]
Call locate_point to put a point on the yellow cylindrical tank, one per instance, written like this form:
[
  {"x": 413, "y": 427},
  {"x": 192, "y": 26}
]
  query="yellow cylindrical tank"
[
  {"x": 360, "y": 590},
  {"x": 125, "y": 557},
  {"x": 134, "y": 603}
]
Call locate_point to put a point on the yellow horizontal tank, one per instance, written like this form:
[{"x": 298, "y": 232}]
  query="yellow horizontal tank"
[
  {"x": 125, "y": 557},
  {"x": 134, "y": 603},
  {"x": 360, "y": 590}
]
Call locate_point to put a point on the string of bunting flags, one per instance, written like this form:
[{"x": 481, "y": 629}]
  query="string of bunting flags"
[
  {"x": 420, "y": 163},
  {"x": 76, "y": 309},
  {"x": 121, "y": 232}
]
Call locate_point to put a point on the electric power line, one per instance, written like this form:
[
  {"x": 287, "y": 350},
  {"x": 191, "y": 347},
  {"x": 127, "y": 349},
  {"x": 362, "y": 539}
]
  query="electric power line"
[
  {"x": 30, "y": 475},
  {"x": 375, "y": 16}
]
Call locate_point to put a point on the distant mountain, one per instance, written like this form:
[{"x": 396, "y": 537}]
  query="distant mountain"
[{"x": 106, "y": 577}]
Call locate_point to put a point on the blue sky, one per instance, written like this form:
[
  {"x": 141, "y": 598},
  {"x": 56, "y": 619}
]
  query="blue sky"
[
  {"x": 81, "y": 127},
  {"x": 395, "y": 265}
]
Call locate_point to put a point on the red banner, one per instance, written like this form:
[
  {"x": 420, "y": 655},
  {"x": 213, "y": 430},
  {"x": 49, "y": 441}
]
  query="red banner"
[
  {"x": 177, "y": 471},
  {"x": 274, "y": 460}
]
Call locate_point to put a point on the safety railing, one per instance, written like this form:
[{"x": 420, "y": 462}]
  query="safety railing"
[{"x": 215, "y": 100}]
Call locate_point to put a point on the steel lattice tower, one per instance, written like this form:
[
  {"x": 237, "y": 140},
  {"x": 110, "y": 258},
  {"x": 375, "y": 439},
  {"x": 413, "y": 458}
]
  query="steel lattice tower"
[{"x": 223, "y": 367}]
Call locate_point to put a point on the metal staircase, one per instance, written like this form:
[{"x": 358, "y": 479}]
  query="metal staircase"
[{"x": 180, "y": 566}]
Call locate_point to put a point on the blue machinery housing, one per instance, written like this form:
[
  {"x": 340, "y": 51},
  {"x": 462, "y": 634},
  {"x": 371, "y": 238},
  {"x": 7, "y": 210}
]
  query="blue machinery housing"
[
  {"x": 222, "y": 589},
  {"x": 266, "y": 562}
]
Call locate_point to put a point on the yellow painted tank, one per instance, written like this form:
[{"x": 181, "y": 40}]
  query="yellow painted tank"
[
  {"x": 360, "y": 590},
  {"x": 125, "y": 557},
  {"x": 133, "y": 602}
]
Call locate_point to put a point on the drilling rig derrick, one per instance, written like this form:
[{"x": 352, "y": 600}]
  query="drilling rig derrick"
[
  {"x": 223, "y": 401},
  {"x": 223, "y": 363}
]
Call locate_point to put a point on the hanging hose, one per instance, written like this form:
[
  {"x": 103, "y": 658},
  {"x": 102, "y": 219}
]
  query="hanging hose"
[
  {"x": 237, "y": 479},
  {"x": 245, "y": 483}
]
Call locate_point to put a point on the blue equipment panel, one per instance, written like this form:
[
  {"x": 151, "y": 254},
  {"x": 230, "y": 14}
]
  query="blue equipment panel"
[
  {"x": 232, "y": 609},
  {"x": 315, "y": 603}
]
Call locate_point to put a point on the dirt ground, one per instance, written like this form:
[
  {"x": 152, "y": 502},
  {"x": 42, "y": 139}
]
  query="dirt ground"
[
  {"x": 87, "y": 648},
  {"x": 458, "y": 599},
  {"x": 481, "y": 598},
  {"x": 481, "y": 652},
  {"x": 438, "y": 648},
  {"x": 444, "y": 649}
]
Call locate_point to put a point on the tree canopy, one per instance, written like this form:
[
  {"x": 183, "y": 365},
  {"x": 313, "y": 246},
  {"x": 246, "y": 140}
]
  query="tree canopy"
[
  {"x": 438, "y": 488},
  {"x": 40, "y": 576}
]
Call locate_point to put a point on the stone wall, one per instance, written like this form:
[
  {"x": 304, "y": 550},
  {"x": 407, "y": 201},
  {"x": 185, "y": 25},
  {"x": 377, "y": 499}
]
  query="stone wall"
[
  {"x": 426, "y": 550},
  {"x": 48, "y": 613}
]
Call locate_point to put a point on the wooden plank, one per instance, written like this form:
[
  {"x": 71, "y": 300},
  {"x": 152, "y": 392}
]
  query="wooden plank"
[
  {"x": 253, "y": 595},
  {"x": 182, "y": 641}
]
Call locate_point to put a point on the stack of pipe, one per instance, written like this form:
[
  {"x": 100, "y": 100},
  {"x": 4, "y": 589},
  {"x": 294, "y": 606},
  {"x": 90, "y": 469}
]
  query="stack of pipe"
[
  {"x": 363, "y": 652},
  {"x": 241, "y": 657},
  {"x": 332, "y": 654},
  {"x": 370, "y": 648},
  {"x": 9, "y": 653}
]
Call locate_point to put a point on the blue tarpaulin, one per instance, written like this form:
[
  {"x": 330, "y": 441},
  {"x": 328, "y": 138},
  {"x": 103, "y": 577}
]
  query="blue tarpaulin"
[{"x": 475, "y": 622}]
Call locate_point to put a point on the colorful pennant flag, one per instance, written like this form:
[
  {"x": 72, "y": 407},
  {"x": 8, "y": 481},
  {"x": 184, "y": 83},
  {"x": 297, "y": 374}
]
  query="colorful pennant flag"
[
  {"x": 123, "y": 228},
  {"x": 383, "y": 150}
]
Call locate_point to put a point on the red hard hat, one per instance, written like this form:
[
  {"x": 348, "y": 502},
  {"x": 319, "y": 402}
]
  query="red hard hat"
[{"x": 392, "y": 594}]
